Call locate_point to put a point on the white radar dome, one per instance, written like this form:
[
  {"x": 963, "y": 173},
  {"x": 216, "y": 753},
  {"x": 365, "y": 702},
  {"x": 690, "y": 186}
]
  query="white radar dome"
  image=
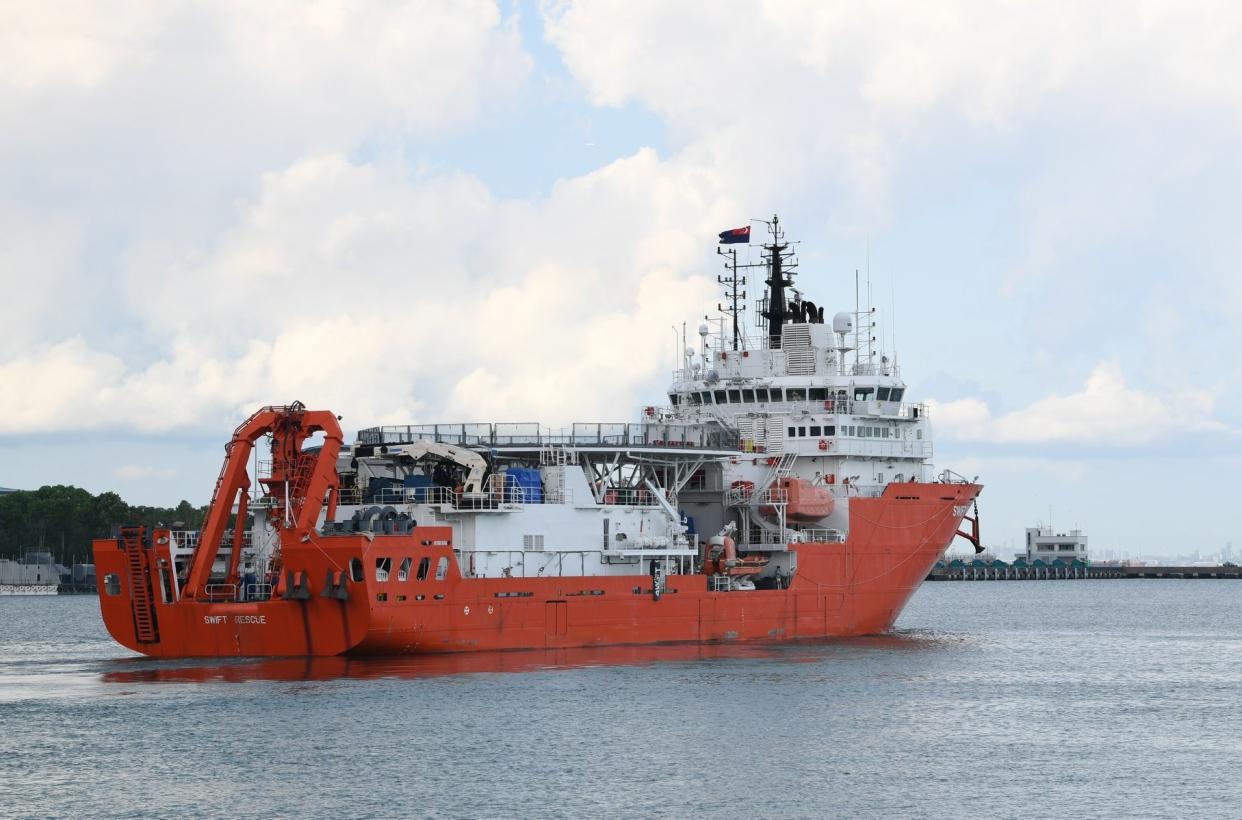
[
  {"x": 843, "y": 323},
  {"x": 703, "y": 330}
]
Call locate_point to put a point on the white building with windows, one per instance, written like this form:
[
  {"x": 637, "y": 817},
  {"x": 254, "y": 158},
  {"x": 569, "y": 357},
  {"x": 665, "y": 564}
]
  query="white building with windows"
[{"x": 1042, "y": 543}]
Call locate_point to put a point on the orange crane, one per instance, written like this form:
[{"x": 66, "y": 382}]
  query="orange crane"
[{"x": 299, "y": 483}]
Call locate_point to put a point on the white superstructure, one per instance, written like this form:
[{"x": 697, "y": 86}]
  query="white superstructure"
[{"x": 767, "y": 439}]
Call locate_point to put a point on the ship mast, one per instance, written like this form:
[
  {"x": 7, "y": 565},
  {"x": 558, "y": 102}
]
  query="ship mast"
[
  {"x": 733, "y": 284},
  {"x": 781, "y": 263}
]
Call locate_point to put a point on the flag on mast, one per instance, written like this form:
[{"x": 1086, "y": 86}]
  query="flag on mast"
[{"x": 735, "y": 235}]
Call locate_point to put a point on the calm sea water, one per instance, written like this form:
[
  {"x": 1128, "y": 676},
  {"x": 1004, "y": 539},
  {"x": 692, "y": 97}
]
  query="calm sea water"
[{"x": 1041, "y": 699}]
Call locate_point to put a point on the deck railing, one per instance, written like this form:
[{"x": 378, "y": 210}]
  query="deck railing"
[
  {"x": 581, "y": 434},
  {"x": 183, "y": 540}
]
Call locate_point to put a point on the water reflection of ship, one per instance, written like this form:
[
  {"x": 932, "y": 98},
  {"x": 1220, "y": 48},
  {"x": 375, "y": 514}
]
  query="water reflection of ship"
[{"x": 410, "y": 667}]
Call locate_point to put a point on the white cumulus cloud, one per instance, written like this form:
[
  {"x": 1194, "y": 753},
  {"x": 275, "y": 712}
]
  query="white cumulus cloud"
[
  {"x": 393, "y": 298},
  {"x": 1106, "y": 412}
]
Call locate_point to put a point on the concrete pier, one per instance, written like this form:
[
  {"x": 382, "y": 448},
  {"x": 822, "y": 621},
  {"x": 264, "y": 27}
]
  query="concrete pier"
[{"x": 963, "y": 570}]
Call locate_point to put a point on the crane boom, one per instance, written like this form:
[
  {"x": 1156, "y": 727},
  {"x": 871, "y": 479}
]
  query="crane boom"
[{"x": 472, "y": 461}]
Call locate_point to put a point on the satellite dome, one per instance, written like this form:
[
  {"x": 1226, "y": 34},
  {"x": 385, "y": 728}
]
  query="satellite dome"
[
  {"x": 843, "y": 322},
  {"x": 703, "y": 329}
]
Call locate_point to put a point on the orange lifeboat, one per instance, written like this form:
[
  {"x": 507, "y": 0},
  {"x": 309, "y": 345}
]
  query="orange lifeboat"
[{"x": 804, "y": 501}]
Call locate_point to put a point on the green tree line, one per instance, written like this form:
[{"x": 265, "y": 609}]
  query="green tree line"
[{"x": 64, "y": 519}]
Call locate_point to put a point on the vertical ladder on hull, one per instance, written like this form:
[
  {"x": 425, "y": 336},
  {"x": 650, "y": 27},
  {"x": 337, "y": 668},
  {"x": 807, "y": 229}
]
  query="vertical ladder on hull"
[{"x": 140, "y": 595}]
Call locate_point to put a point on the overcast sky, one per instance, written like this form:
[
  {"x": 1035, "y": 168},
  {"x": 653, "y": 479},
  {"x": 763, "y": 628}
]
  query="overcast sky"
[{"x": 455, "y": 211}]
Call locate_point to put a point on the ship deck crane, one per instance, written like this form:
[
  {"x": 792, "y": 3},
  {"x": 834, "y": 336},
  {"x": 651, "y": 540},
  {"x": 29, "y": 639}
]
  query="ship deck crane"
[
  {"x": 299, "y": 482},
  {"x": 474, "y": 463}
]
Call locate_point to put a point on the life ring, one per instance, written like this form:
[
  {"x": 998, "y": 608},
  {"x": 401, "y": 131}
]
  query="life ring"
[{"x": 823, "y": 444}]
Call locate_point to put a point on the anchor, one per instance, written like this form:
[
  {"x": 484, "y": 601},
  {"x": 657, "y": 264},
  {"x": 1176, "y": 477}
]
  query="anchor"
[{"x": 973, "y": 535}]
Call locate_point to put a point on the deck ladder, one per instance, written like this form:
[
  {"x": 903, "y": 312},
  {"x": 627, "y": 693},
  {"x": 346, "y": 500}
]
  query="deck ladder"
[{"x": 145, "y": 627}]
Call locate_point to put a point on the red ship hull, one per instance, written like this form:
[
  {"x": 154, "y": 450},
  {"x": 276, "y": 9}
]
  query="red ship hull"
[{"x": 854, "y": 588}]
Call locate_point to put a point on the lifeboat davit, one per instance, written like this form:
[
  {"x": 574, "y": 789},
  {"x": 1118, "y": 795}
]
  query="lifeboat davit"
[{"x": 803, "y": 500}]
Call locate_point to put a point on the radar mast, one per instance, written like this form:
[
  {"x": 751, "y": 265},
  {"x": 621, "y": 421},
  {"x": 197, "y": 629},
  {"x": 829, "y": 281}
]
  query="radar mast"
[{"x": 781, "y": 263}]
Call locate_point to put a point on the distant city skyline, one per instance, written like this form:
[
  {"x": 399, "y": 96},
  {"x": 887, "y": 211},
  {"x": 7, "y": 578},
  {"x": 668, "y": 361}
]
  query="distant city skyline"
[{"x": 419, "y": 212}]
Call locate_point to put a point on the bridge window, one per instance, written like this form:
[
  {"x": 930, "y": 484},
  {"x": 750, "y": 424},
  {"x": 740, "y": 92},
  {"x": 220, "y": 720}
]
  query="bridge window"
[
  {"x": 776, "y": 394},
  {"x": 819, "y": 394},
  {"x": 442, "y": 568},
  {"x": 383, "y": 566},
  {"x": 801, "y": 432},
  {"x": 705, "y": 398},
  {"x": 403, "y": 574},
  {"x": 895, "y": 395},
  {"x": 881, "y": 393},
  {"x": 761, "y": 394},
  {"x": 830, "y": 430},
  {"x": 793, "y": 431},
  {"x": 674, "y": 399},
  {"x": 423, "y": 565},
  {"x": 735, "y": 396},
  {"x": 720, "y": 397},
  {"x": 112, "y": 583},
  {"x": 862, "y": 393},
  {"x": 885, "y": 432},
  {"x": 814, "y": 430},
  {"x": 793, "y": 394},
  {"x": 748, "y": 395},
  {"x": 695, "y": 398}
]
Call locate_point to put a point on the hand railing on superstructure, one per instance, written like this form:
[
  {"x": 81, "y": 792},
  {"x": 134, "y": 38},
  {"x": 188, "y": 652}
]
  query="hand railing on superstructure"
[
  {"x": 872, "y": 363},
  {"x": 187, "y": 540},
  {"x": 582, "y": 434},
  {"x": 818, "y": 535},
  {"x": 627, "y": 497},
  {"x": 781, "y": 538}
]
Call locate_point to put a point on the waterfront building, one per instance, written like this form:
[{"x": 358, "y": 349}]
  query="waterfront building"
[{"x": 1043, "y": 544}]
